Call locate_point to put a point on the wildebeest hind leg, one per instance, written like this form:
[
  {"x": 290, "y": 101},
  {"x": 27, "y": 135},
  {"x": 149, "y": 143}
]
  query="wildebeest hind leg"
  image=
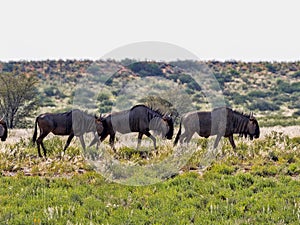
[
  {"x": 186, "y": 137},
  {"x": 139, "y": 140},
  {"x": 44, "y": 149},
  {"x": 39, "y": 149},
  {"x": 39, "y": 142}
]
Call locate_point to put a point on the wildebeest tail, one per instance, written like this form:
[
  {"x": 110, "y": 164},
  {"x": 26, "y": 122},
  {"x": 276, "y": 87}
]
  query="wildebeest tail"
[
  {"x": 35, "y": 131},
  {"x": 178, "y": 135}
]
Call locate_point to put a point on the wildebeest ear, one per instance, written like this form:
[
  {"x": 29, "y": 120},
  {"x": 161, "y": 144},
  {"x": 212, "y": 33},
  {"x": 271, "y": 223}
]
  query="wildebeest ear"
[
  {"x": 98, "y": 120},
  {"x": 165, "y": 117}
]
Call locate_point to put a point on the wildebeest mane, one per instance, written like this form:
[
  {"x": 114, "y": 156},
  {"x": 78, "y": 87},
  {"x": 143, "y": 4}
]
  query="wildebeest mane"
[
  {"x": 240, "y": 121},
  {"x": 156, "y": 110},
  {"x": 241, "y": 113}
]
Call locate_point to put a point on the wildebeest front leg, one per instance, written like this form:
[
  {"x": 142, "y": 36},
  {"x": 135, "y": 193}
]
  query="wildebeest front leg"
[
  {"x": 152, "y": 138},
  {"x": 112, "y": 141},
  {"x": 82, "y": 142},
  {"x": 232, "y": 142},
  {"x": 95, "y": 140},
  {"x": 218, "y": 138},
  {"x": 68, "y": 141}
]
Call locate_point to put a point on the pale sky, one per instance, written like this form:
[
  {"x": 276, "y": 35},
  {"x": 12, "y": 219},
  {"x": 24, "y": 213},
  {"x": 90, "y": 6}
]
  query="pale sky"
[{"x": 255, "y": 30}]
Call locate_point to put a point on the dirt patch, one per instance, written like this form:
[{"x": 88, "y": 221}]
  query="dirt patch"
[
  {"x": 15, "y": 135},
  {"x": 291, "y": 131}
]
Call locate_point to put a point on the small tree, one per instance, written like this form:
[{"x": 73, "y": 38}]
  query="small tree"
[
  {"x": 18, "y": 97},
  {"x": 158, "y": 103}
]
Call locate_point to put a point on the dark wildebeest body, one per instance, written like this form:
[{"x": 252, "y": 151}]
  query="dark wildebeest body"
[
  {"x": 221, "y": 122},
  {"x": 72, "y": 123},
  {"x": 139, "y": 118},
  {"x": 3, "y": 130}
]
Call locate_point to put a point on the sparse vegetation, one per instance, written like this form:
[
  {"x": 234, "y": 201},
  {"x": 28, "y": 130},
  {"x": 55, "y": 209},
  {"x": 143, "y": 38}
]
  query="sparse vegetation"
[{"x": 257, "y": 184}]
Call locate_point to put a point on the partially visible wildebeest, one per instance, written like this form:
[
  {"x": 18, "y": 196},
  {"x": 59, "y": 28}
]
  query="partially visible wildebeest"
[
  {"x": 139, "y": 118},
  {"x": 72, "y": 123},
  {"x": 221, "y": 122},
  {"x": 3, "y": 130}
]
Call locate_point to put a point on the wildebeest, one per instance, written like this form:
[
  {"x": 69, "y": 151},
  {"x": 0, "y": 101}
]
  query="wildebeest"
[
  {"x": 139, "y": 118},
  {"x": 72, "y": 123},
  {"x": 222, "y": 121},
  {"x": 3, "y": 130}
]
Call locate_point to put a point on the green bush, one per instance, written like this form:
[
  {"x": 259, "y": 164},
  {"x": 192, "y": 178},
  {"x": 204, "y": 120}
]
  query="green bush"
[
  {"x": 296, "y": 74},
  {"x": 288, "y": 87},
  {"x": 146, "y": 69},
  {"x": 237, "y": 98},
  {"x": 223, "y": 78},
  {"x": 297, "y": 113},
  {"x": 263, "y": 105},
  {"x": 103, "y": 96},
  {"x": 271, "y": 68},
  {"x": 259, "y": 94}
]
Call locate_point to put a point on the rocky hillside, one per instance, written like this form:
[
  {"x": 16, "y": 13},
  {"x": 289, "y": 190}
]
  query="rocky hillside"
[{"x": 270, "y": 89}]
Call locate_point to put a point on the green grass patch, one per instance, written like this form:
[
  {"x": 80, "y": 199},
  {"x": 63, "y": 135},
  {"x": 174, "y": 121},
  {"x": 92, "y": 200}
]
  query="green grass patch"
[
  {"x": 257, "y": 184},
  {"x": 186, "y": 199}
]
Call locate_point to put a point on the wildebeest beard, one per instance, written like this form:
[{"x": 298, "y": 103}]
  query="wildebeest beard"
[
  {"x": 3, "y": 130},
  {"x": 159, "y": 126}
]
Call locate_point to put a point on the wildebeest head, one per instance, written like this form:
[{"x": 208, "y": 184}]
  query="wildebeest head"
[
  {"x": 3, "y": 130},
  {"x": 99, "y": 124},
  {"x": 253, "y": 128},
  {"x": 169, "y": 121}
]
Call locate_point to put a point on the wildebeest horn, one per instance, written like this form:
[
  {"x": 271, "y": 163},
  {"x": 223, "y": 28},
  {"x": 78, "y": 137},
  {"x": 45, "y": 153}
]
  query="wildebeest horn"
[{"x": 251, "y": 115}]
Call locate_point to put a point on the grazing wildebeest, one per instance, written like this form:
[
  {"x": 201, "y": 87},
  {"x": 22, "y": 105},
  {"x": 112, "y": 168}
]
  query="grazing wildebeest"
[
  {"x": 3, "y": 130},
  {"x": 221, "y": 122},
  {"x": 72, "y": 123},
  {"x": 139, "y": 118}
]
